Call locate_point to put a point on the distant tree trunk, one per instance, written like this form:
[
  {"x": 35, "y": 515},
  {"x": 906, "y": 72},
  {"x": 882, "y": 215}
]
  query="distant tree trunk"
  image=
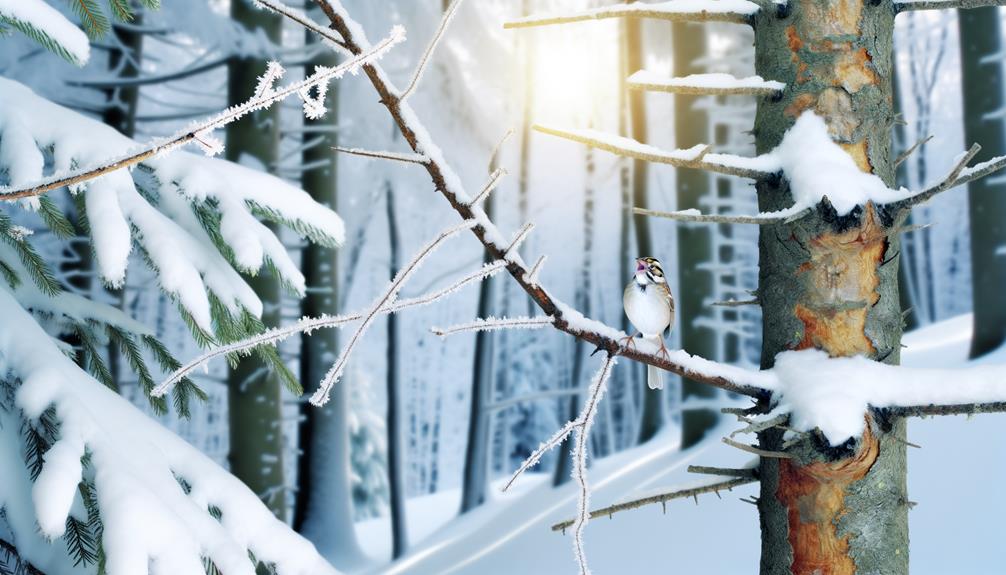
[
  {"x": 396, "y": 446},
  {"x": 652, "y": 417},
  {"x": 691, "y": 127},
  {"x": 582, "y": 297},
  {"x": 980, "y": 35},
  {"x": 256, "y": 452},
  {"x": 475, "y": 481},
  {"x": 831, "y": 283},
  {"x": 324, "y": 510}
]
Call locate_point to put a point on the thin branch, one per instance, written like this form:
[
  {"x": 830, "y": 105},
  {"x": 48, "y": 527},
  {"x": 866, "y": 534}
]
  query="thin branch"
[
  {"x": 661, "y": 498},
  {"x": 393, "y": 156},
  {"x": 694, "y": 216},
  {"x": 736, "y": 303},
  {"x": 74, "y": 177},
  {"x": 492, "y": 323},
  {"x": 947, "y": 183},
  {"x": 704, "y": 84},
  {"x": 519, "y": 238},
  {"x": 494, "y": 179},
  {"x": 694, "y": 157},
  {"x": 494, "y": 157},
  {"x": 421, "y": 67},
  {"x": 907, "y": 153},
  {"x": 749, "y": 472},
  {"x": 909, "y": 5},
  {"x": 321, "y": 396},
  {"x": 755, "y": 450},
  {"x": 532, "y": 276},
  {"x": 147, "y": 80},
  {"x": 961, "y": 409},
  {"x": 675, "y": 11},
  {"x": 546, "y": 446}
]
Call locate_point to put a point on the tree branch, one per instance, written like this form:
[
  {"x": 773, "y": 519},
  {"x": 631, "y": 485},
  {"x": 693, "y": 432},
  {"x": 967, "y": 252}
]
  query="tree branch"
[
  {"x": 675, "y": 11},
  {"x": 704, "y": 84},
  {"x": 393, "y": 156},
  {"x": 907, "y": 153},
  {"x": 961, "y": 409},
  {"x": 446, "y": 181},
  {"x": 959, "y": 175},
  {"x": 11, "y": 551},
  {"x": 755, "y": 450},
  {"x": 696, "y": 157},
  {"x": 78, "y": 176},
  {"x": 661, "y": 498},
  {"x": 749, "y": 472},
  {"x": 492, "y": 323},
  {"x": 421, "y": 67},
  {"x": 695, "y": 216}
]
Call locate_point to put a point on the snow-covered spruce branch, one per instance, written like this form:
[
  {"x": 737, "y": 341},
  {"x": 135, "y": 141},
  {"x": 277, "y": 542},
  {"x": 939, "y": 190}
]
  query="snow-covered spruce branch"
[
  {"x": 909, "y": 5},
  {"x": 381, "y": 155},
  {"x": 347, "y": 33},
  {"x": 308, "y": 325},
  {"x": 13, "y": 557},
  {"x": 735, "y": 11},
  {"x": 493, "y": 323},
  {"x": 696, "y": 157},
  {"x": 661, "y": 498},
  {"x": 704, "y": 84},
  {"x": 908, "y": 153},
  {"x": 201, "y": 131},
  {"x": 494, "y": 179},
  {"x": 959, "y": 175},
  {"x": 417, "y": 76},
  {"x": 321, "y": 396}
]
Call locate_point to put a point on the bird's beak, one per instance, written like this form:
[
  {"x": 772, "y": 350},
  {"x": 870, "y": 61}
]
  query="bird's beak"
[{"x": 640, "y": 265}]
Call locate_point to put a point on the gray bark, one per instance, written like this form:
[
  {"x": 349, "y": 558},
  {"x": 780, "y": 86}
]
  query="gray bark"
[
  {"x": 254, "y": 404},
  {"x": 396, "y": 444},
  {"x": 980, "y": 34}
]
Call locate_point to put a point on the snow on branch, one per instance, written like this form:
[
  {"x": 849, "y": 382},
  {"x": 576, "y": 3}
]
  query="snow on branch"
[
  {"x": 417, "y": 76},
  {"x": 135, "y": 463},
  {"x": 493, "y": 324},
  {"x": 494, "y": 179},
  {"x": 704, "y": 84},
  {"x": 309, "y": 324},
  {"x": 697, "y": 157},
  {"x": 321, "y": 396},
  {"x": 393, "y": 156},
  {"x": 518, "y": 239},
  {"x": 909, "y": 5},
  {"x": 662, "y": 498},
  {"x": 47, "y": 26},
  {"x": 960, "y": 174},
  {"x": 694, "y": 215},
  {"x": 202, "y": 129},
  {"x": 736, "y": 11}
]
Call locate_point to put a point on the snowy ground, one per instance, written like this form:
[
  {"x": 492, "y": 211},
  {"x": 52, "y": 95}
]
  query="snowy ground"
[{"x": 955, "y": 479}]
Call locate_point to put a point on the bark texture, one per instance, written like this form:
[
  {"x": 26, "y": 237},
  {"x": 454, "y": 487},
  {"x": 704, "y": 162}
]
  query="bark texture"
[
  {"x": 254, "y": 405},
  {"x": 831, "y": 283}
]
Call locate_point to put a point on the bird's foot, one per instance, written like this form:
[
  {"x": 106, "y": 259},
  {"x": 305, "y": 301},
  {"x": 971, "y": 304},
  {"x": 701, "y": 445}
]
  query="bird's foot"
[
  {"x": 662, "y": 352},
  {"x": 628, "y": 342}
]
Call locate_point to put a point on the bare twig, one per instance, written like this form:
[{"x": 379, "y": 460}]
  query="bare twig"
[
  {"x": 393, "y": 156},
  {"x": 159, "y": 147},
  {"x": 960, "y": 409},
  {"x": 661, "y": 498},
  {"x": 755, "y": 450},
  {"x": 951, "y": 180},
  {"x": 710, "y": 12},
  {"x": 532, "y": 276},
  {"x": 907, "y": 153},
  {"x": 695, "y": 157},
  {"x": 724, "y": 471},
  {"x": 737, "y": 303},
  {"x": 445, "y": 21}
]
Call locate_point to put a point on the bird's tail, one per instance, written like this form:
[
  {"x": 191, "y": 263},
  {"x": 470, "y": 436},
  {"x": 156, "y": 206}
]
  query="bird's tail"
[{"x": 654, "y": 375}]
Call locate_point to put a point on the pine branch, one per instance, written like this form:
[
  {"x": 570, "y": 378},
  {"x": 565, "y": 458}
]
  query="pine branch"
[
  {"x": 425, "y": 60},
  {"x": 192, "y": 134},
  {"x": 12, "y": 557},
  {"x": 662, "y": 498}
]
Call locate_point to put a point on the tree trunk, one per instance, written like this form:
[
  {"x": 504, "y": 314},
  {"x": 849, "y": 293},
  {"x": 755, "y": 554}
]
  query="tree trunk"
[
  {"x": 691, "y": 126},
  {"x": 652, "y": 418},
  {"x": 831, "y": 283},
  {"x": 396, "y": 445},
  {"x": 980, "y": 35},
  {"x": 324, "y": 510},
  {"x": 255, "y": 408}
]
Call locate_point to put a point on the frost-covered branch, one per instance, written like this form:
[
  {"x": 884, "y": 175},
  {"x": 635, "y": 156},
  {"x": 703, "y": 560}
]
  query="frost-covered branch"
[
  {"x": 694, "y": 215},
  {"x": 381, "y": 155},
  {"x": 704, "y": 84},
  {"x": 661, "y": 498},
  {"x": 202, "y": 129},
  {"x": 493, "y": 323},
  {"x": 960, "y": 174},
  {"x": 551, "y": 443},
  {"x": 735, "y": 11},
  {"x": 532, "y": 276},
  {"x": 494, "y": 179},
  {"x": 696, "y": 157},
  {"x": 14, "y": 560},
  {"x": 518, "y": 239},
  {"x": 445, "y": 21},
  {"x": 909, "y": 5},
  {"x": 321, "y": 396},
  {"x": 308, "y": 325}
]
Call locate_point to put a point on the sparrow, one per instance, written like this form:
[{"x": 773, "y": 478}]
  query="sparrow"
[{"x": 649, "y": 305}]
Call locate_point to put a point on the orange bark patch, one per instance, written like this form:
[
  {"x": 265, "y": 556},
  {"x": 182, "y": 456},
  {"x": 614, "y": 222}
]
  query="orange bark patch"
[
  {"x": 855, "y": 70},
  {"x": 858, "y": 153},
  {"x": 840, "y": 282},
  {"x": 835, "y": 18},
  {"x": 801, "y": 103},
  {"x": 814, "y": 497}
]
